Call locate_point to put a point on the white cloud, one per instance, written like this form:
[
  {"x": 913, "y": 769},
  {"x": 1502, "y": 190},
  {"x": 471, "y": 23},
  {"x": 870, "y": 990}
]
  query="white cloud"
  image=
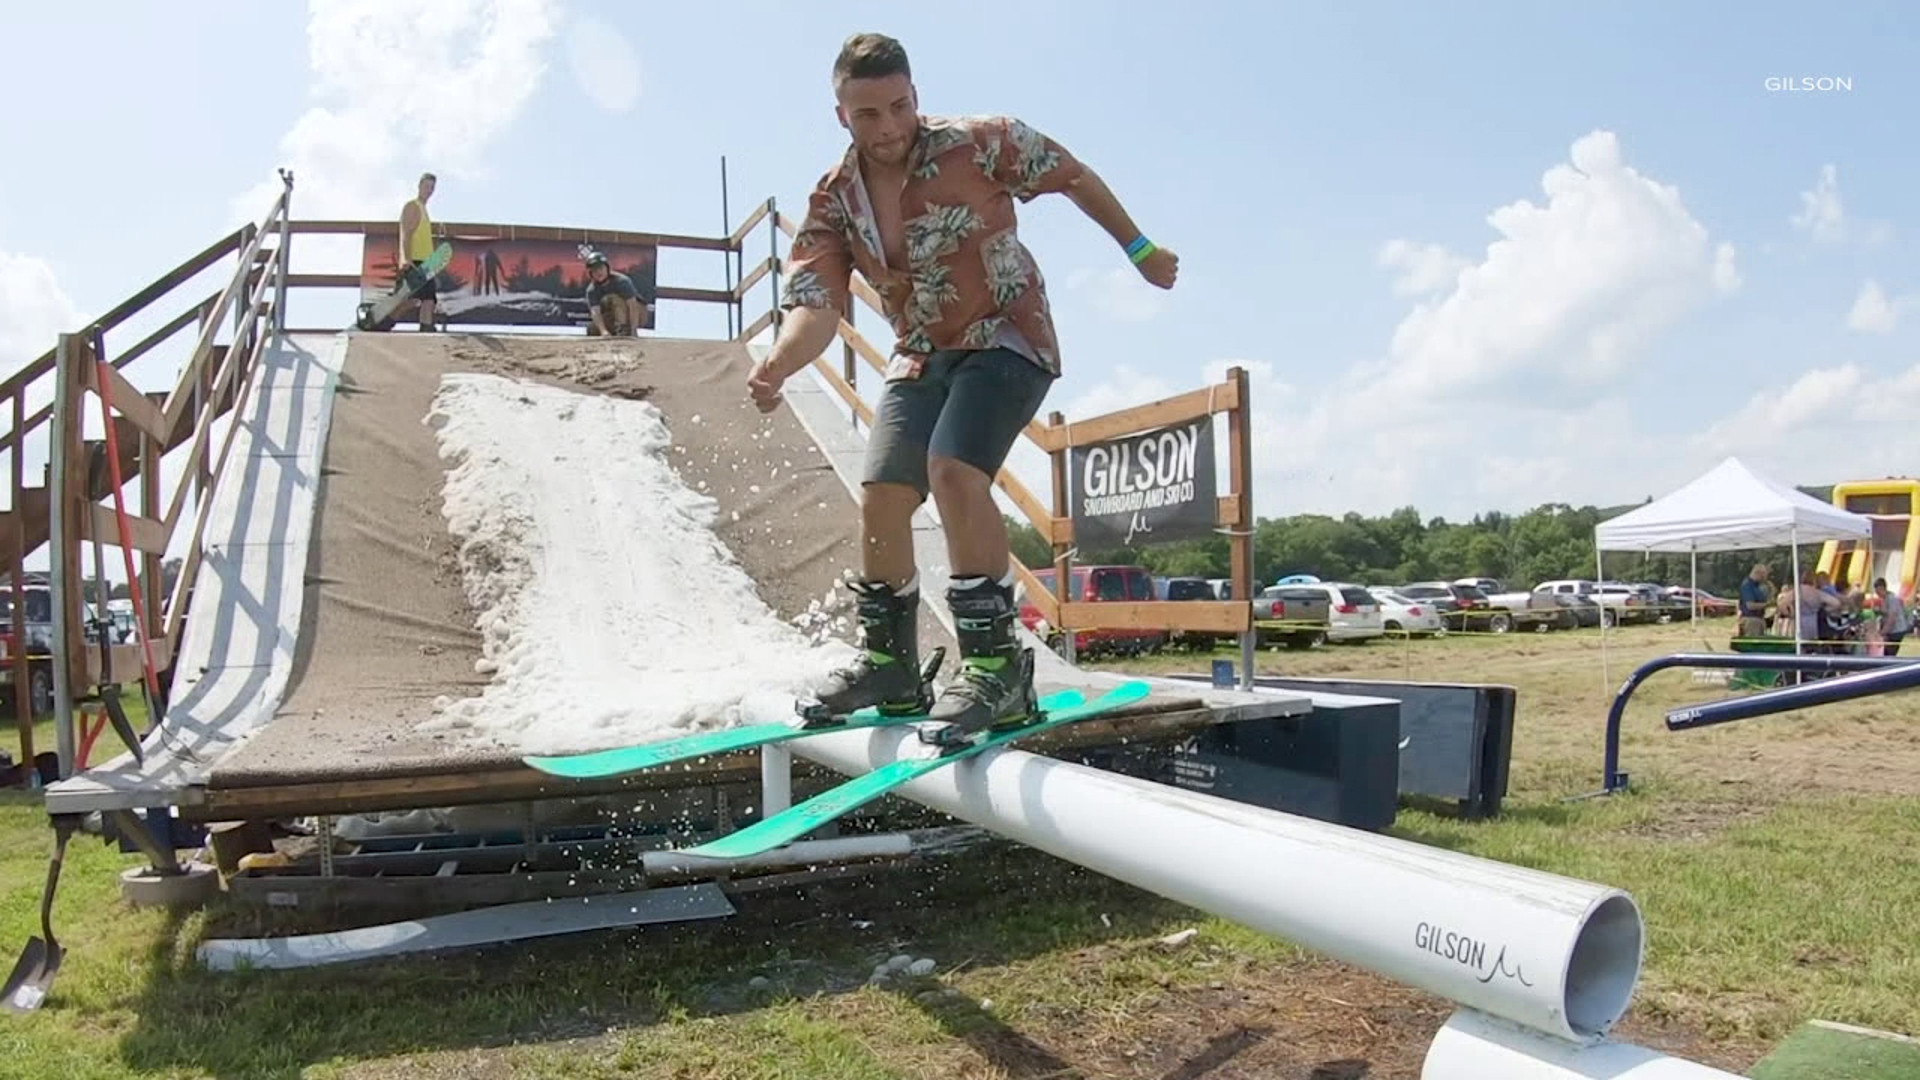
[
  {"x": 1539, "y": 332},
  {"x": 1425, "y": 268},
  {"x": 404, "y": 87},
  {"x": 604, "y": 64},
  {"x": 34, "y": 310},
  {"x": 1822, "y": 214},
  {"x": 1831, "y": 423},
  {"x": 1120, "y": 293},
  {"x": 1566, "y": 299},
  {"x": 1874, "y": 312}
]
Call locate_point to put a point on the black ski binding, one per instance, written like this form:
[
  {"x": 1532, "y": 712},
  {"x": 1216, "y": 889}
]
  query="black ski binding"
[{"x": 815, "y": 716}]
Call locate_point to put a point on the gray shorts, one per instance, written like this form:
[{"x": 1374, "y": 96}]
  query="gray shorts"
[{"x": 969, "y": 404}]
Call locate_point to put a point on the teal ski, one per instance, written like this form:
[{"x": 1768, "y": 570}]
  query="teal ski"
[
  {"x": 621, "y": 760},
  {"x": 791, "y": 824}
]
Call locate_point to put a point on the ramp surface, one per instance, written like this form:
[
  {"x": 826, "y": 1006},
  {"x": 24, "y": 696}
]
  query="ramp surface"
[{"x": 333, "y": 613}]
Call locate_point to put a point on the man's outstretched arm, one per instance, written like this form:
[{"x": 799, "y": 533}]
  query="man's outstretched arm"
[
  {"x": 1094, "y": 198},
  {"x": 1031, "y": 164}
]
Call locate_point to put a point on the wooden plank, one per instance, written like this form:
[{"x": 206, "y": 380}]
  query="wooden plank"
[
  {"x": 102, "y": 524},
  {"x": 759, "y": 324},
  {"x": 766, "y": 266},
  {"x": 847, "y": 393},
  {"x": 1036, "y": 594},
  {"x": 178, "y": 323},
  {"x": 1220, "y": 397},
  {"x": 1220, "y": 616},
  {"x": 701, "y": 296},
  {"x": 69, "y": 484},
  {"x": 1025, "y": 500},
  {"x": 235, "y": 292},
  {"x": 457, "y": 786},
  {"x": 1240, "y": 478},
  {"x": 127, "y": 400},
  {"x": 323, "y": 281},
  {"x": 759, "y": 213},
  {"x": 119, "y": 313},
  {"x": 462, "y": 231}
]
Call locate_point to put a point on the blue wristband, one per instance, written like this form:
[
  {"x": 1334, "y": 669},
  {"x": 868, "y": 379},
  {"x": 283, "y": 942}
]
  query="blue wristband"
[{"x": 1139, "y": 244}]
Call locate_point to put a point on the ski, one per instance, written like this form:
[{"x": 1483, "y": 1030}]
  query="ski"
[
  {"x": 795, "y": 822},
  {"x": 599, "y": 764}
]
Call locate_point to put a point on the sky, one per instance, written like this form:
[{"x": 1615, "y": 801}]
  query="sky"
[{"x": 1472, "y": 259}]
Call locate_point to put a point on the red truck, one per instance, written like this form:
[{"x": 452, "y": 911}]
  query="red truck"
[{"x": 1097, "y": 585}]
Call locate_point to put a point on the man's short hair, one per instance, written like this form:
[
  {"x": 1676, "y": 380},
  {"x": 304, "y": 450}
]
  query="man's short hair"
[
  {"x": 429, "y": 176},
  {"x": 870, "y": 56}
]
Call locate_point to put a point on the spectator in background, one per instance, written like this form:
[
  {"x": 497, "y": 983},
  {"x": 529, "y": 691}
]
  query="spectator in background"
[
  {"x": 1755, "y": 594},
  {"x": 1896, "y": 622}
]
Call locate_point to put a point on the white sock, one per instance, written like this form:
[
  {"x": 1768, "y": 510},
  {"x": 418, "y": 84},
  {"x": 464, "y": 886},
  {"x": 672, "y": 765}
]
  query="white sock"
[{"x": 912, "y": 586}]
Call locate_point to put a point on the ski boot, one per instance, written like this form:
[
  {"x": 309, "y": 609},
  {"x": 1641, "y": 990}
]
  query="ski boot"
[
  {"x": 994, "y": 690},
  {"x": 886, "y": 675}
]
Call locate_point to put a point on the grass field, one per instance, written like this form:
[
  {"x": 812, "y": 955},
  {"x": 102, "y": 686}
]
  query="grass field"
[{"x": 1774, "y": 858}]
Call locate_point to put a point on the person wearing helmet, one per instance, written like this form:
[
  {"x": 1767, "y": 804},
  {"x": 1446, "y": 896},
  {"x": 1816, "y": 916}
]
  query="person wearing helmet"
[{"x": 613, "y": 304}]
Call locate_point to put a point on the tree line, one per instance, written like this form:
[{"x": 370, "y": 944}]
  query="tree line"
[{"x": 1553, "y": 540}]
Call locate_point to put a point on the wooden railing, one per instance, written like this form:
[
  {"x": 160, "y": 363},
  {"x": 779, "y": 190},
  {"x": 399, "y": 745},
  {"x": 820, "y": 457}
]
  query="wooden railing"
[{"x": 1053, "y": 520}]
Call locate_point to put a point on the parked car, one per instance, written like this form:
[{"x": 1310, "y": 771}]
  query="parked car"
[
  {"x": 1514, "y": 610},
  {"x": 1097, "y": 585},
  {"x": 1639, "y": 603},
  {"x": 1298, "y": 616},
  {"x": 1352, "y": 612},
  {"x": 1191, "y": 588},
  {"x": 1711, "y": 606},
  {"x": 1584, "y": 609},
  {"x": 1405, "y": 615},
  {"x": 1612, "y": 605}
]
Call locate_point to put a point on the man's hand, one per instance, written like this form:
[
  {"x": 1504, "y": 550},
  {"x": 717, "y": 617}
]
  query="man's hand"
[
  {"x": 763, "y": 384},
  {"x": 1161, "y": 267}
]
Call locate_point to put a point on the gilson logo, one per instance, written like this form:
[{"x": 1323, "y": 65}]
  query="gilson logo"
[{"x": 1809, "y": 83}]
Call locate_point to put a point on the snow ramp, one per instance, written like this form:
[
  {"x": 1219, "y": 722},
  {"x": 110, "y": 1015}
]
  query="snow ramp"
[{"x": 365, "y": 633}]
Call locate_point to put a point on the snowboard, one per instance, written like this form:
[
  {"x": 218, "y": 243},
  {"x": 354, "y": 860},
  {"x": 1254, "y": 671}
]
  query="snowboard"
[
  {"x": 373, "y": 314},
  {"x": 795, "y": 822}
]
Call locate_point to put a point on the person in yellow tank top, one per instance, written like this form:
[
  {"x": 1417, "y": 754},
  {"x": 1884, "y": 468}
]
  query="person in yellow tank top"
[{"x": 416, "y": 243}]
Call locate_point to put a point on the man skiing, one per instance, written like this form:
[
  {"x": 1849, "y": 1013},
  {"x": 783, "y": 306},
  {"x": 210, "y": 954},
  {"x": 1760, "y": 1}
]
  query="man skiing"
[
  {"x": 923, "y": 207},
  {"x": 613, "y": 304}
]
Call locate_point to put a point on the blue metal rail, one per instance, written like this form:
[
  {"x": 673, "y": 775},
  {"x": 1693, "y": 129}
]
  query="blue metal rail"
[
  {"x": 1904, "y": 675},
  {"x": 1771, "y": 701}
]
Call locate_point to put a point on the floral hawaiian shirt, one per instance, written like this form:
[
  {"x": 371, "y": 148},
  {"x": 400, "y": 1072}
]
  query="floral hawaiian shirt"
[{"x": 969, "y": 282}]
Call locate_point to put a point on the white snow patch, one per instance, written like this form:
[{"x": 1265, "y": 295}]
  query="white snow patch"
[{"x": 609, "y": 612}]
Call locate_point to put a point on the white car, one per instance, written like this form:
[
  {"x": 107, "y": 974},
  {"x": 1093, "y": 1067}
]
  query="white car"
[
  {"x": 1353, "y": 614},
  {"x": 1403, "y": 613}
]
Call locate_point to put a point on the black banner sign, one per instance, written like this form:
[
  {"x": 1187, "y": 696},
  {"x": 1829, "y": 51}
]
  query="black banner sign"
[{"x": 1153, "y": 488}]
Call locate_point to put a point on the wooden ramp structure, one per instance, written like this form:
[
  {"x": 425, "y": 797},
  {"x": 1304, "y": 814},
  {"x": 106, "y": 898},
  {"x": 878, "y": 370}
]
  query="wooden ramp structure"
[{"x": 316, "y": 612}]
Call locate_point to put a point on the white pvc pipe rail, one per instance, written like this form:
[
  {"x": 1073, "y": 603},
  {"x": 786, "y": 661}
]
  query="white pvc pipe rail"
[
  {"x": 1550, "y": 953},
  {"x": 1473, "y": 1046}
]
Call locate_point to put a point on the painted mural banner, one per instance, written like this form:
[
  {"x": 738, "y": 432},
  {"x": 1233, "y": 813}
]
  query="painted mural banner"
[
  {"x": 495, "y": 282},
  {"x": 1156, "y": 487}
]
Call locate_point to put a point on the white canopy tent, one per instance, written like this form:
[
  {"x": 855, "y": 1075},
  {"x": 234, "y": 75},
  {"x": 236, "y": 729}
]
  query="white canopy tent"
[{"x": 1729, "y": 508}]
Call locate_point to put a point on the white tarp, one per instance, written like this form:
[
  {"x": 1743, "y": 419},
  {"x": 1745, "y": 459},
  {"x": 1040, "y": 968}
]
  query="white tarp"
[{"x": 1731, "y": 508}]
